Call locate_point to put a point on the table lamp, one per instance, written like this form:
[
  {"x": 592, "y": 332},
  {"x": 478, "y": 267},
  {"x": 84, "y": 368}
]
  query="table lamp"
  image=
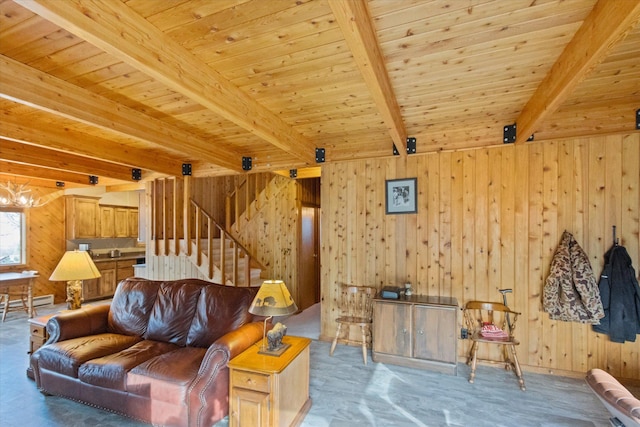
[
  {"x": 74, "y": 267},
  {"x": 273, "y": 299}
]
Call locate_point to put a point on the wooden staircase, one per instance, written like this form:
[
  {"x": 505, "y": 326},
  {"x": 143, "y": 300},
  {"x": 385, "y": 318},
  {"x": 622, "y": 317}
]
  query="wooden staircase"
[{"x": 180, "y": 226}]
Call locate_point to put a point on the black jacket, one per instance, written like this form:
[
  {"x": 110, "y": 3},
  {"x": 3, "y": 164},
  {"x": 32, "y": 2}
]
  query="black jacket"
[{"x": 620, "y": 296}]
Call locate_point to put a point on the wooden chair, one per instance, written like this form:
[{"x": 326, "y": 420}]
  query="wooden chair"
[
  {"x": 356, "y": 306},
  {"x": 10, "y": 291},
  {"x": 479, "y": 314}
]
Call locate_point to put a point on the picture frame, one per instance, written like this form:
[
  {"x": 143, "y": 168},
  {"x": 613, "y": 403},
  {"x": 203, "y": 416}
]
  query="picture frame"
[{"x": 401, "y": 196}]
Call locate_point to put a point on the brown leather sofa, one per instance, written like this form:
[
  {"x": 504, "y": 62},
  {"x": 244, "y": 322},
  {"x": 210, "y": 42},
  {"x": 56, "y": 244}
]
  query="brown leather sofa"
[{"x": 158, "y": 353}]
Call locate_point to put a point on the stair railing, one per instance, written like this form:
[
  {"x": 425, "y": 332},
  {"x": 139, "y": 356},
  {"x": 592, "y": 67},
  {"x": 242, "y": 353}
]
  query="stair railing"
[{"x": 202, "y": 224}]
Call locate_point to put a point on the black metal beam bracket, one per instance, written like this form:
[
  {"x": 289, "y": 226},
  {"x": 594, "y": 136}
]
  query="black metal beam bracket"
[
  {"x": 186, "y": 169},
  {"x": 246, "y": 164}
]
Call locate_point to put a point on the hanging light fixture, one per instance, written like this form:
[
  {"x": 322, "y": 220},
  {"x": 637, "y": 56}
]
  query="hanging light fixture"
[{"x": 17, "y": 196}]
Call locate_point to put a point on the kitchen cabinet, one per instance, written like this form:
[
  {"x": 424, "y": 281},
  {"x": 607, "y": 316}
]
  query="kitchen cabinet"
[
  {"x": 121, "y": 222},
  {"x": 107, "y": 221},
  {"x": 416, "y": 331},
  {"x": 118, "y": 221},
  {"x": 87, "y": 219},
  {"x": 104, "y": 286},
  {"x": 82, "y": 217},
  {"x": 124, "y": 269},
  {"x": 132, "y": 223}
]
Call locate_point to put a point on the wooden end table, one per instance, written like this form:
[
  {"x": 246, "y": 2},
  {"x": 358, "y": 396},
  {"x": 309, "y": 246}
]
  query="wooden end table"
[
  {"x": 268, "y": 390},
  {"x": 37, "y": 335}
]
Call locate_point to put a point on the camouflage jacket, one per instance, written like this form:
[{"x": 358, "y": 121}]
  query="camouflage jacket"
[{"x": 570, "y": 291}]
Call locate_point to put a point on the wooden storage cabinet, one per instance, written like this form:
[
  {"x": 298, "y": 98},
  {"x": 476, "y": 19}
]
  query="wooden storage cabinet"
[
  {"x": 124, "y": 269},
  {"x": 104, "y": 286},
  {"x": 132, "y": 222},
  {"x": 267, "y": 391},
  {"x": 107, "y": 221},
  {"x": 82, "y": 217},
  {"x": 87, "y": 219},
  {"x": 417, "y": 331}
]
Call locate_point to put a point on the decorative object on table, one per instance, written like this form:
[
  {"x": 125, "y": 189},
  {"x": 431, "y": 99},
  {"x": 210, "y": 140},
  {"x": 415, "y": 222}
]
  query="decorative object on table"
[
  {"x": 273, "y": 299},
  {"x": 407, "y": 290},
  {"x": 391, "y": 292},
  {"x": 275, "y": 335},
  {"x": 74, "y": 267},
  {"x": 401, "y": 196}
]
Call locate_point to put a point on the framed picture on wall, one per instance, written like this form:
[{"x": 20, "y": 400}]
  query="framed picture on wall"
[{"x": 401, "y": 196}]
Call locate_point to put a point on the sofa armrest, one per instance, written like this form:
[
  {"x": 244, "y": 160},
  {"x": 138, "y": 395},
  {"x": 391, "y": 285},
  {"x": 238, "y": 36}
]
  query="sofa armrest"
[
  {"x": 620, "y": 403},
  {"x": 210, "y": 390},
  {"x": 89, "y": 320}
]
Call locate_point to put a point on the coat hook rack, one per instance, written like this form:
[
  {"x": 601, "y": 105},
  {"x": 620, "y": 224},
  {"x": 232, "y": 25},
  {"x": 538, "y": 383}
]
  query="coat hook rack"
[{"x": 615, "y": 239}]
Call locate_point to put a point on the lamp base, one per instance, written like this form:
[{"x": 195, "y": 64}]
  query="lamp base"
[
  {"x": 277, "y": 352},
  {"x": 74, "y": 294}
]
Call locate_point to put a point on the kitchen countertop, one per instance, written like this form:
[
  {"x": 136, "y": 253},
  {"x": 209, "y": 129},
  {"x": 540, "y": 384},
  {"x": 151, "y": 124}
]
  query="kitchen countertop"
[{"x": 123, "y": 257}]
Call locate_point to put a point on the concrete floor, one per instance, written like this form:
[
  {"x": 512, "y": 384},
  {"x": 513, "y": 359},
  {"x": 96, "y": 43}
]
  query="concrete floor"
[{"x": 345, "y": 393}]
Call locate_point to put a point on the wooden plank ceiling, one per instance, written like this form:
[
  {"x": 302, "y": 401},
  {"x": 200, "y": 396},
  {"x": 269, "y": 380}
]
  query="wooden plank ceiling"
[{"x": 101, "y": 87}]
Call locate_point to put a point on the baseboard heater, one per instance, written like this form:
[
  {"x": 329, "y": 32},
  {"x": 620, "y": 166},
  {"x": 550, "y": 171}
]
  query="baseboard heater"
[{"x": 39, "y": 301}]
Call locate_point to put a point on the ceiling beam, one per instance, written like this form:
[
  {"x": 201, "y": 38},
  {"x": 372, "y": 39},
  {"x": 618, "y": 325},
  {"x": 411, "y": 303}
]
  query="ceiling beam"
[
  {"x": 42, "y": 173},
  {"x": 28, "y": 86},
  {"x": 64, "y": 139},
  {"x": 357, "y": 28},
  {"x": 607, "y": 24},
  {"x": 119, "y": 31},
  {"x": 31, "y": 155}
]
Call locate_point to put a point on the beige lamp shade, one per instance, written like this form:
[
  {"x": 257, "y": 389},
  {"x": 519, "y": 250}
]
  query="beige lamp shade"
[
  {"x": 273, "y": 299},
  {"x": 75, "y": 265}
]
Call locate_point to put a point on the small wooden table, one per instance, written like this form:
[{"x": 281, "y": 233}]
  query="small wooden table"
[
  {"x": 37, "y": 336},
  {"x": 8, "y": 280},
  {"x": 268, "y": 390}
]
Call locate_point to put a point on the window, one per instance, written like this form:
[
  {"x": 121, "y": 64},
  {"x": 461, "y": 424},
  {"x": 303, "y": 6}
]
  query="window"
[{"x": 13, "y": 233}]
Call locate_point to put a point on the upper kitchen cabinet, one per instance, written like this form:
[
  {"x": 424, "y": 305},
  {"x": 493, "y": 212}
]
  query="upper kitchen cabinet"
[
  {"x": 82, "y": 217},
  {"x": 119, "y": 221},
  {"x": 86, "y": 218},
  {"x": 132, "y": 222},
  {"x": 107, "y": 221}
]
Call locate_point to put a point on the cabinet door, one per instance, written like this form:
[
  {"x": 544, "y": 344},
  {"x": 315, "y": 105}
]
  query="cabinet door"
[
  {"x": 107, "y": 221},
  {"x": 249, "y": 408},
  {"x": 121, "y": 222},
  {"x": 435, "y": 333},
  {"x": 125, "y": 269},
  {"x": 107, "y": 282},
  {"x": 133, "y": 223},
  {"x": 90, "y": 289},
  {"x": 82, "y": 218},
  {"x": 392, "y": 328}
]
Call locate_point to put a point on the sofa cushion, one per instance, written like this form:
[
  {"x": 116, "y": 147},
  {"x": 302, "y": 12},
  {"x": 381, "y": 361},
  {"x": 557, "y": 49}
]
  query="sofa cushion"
[
  {"x": 131, "y": 306},
  {"x": 220, "y": 309},
  {"x": 166, "y": 377},
  {"x": 65, "y": 357},
  {"x": 173, "y": 311},
  {"x": 111, "y": 370}
]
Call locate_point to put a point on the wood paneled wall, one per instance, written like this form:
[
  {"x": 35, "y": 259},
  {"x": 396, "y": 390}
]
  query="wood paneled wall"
[
  {"x": 489, "y": 219},
  {"x": 45, "y": 243},
  {"x": 271, "y": 233}
]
